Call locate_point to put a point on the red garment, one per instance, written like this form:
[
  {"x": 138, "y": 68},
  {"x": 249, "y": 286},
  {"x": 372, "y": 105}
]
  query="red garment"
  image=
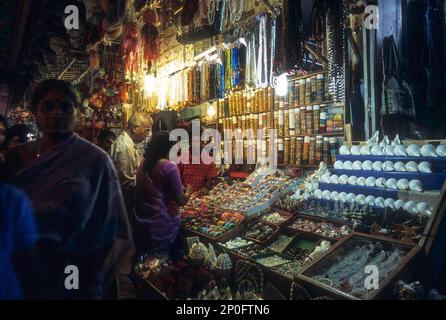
[{"x": 197, "y": 175}]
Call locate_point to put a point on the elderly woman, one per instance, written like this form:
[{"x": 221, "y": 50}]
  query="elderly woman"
[{"x": 75, "y": 193}]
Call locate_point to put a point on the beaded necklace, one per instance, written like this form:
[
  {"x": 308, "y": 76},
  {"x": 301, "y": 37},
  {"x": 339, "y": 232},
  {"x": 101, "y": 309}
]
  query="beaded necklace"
[{"x": 262, "y": 62}]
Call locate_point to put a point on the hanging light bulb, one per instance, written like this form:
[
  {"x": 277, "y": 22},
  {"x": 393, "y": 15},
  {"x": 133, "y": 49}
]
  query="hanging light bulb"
[
  {"x": 211, "y": 110},
  {"x": 149, "y": 85},
  {"x": 282, "y": 85}
]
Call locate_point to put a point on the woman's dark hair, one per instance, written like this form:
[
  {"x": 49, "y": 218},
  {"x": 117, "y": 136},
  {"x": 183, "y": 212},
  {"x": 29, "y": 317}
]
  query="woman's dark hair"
[
  {"x": 106, "y": 134},
  {"x": 157, "y": 148},
  {"x": 54, "y": 85}
]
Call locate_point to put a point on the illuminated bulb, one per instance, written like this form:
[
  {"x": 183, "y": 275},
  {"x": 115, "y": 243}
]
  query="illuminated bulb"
[
  {"x": 149, "y": 84},
  {"x": 211, "y": 110},
  {"x": 282, "y": 85}
]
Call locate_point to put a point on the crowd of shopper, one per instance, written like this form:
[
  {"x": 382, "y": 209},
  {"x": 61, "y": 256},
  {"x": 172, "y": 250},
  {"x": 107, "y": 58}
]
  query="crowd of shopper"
[{"x": 67, "y": 202}]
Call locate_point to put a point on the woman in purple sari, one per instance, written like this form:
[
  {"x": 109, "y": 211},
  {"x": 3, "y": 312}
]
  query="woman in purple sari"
[
  {"x": 75, "y": 193},
  {"x": 158, "y": 196}
]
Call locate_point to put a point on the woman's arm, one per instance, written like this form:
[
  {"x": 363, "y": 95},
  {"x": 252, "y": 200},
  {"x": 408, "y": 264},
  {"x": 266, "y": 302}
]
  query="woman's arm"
[{"x": 175, "y": 185}]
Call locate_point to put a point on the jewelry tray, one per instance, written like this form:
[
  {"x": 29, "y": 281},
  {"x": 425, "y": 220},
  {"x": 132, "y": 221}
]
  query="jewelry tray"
[{"x": 401, "y": 270}]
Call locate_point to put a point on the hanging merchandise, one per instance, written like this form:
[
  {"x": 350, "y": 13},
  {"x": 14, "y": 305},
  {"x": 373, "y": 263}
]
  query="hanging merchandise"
[
  {"x": 392, "y": 99},
  {"x": 262, "y": 57},
  {"x": 318, "y": 21},
  {"x": 290, "y": 37},
  {"x": 129, "y": 48},
  {"x": 336, "y": 49},
  {"x": 150, "y": 36},
  {"x": 251, "y": 64}
]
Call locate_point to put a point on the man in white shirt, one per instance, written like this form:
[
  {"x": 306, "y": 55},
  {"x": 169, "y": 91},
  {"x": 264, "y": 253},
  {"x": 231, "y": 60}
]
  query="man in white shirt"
[{"x": 125, "y": 154}]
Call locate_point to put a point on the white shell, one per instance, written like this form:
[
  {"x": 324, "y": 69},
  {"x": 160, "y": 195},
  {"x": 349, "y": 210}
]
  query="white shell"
[
  {"x": 370, "y": 181},
  {"x": 400, "y": 150},
  {"x": 392, "y": 184},
  {"x": 367, "y": 165},
  {"x": 343, "y": 197},
  {"x": 390, "y": 203},
  {"x": 326, "y": 195},
  {"x": 365, "y": 151},
  {"x": 344, "y": 150},
  {"x": 425, "y": 167},
  {"x": 334, "y": 179},
  {"x": 428, "y": 150},
  {"x": 380, "y": 182},
  {"x": 396, "y": 141},
  {"x": 411, "y": 207},
  {"x": 370, "y": 200},
  {"x": 338, "y": 165},
  {"x": 348, "y": 165},
  {"x": 377, "y": 151},
  {"x": 380, "y": 202},
  {"x": 343, "y": 179},
  {"x": 424, "y": 208},
  {"x": 416, "y": 185},
  {"x": 385, "y": 141},
  {"x": 360, "y": 198},
  {"x": 414, "y": 150},
  {"x": 388, "y": 166},
  {"x": 377, "y": 166},
  {"x": 334, "y": 196},
  {"x": 441, "y": 150},
  {"x": 357, "y": 165},
  {"x": 325, "y": 178},
  {"x": 351, "y": 197},
  {"x": 318, "y": 194},
  {"x": 361, "y": 181},
  {"x": 403, "y": 184},
  {"x": 400, "y": 167},
  {"x": 355, "y": 150},
  {"x": 389, "y": 151},
  {"x": 412, "y": 166},
  {"x": 353, "y": 180},
  {"x": 399, "y": 204}
]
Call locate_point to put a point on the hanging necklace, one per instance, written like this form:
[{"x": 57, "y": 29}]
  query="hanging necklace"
[
  {"x": 262, "y": 68},
  {"x": 273, "y": 52}
]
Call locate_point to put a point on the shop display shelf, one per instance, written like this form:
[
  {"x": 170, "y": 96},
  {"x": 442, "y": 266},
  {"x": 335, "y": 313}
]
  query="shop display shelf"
[
  {"x": 367, "y": 191},
  {"x": 402, "y": 270},
  {"x": 431, "y": 181},
  {"x": 267, "y": 241},
  {"x": 287, "y": 215},
  {"x": 438, "y": 163},
  {"x": 237, "y": 231},
  {"x": 336, "y": 223}
]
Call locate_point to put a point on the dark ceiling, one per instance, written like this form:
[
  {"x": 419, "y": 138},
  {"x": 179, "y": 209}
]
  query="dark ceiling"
[{"x": 35, "y": 45}]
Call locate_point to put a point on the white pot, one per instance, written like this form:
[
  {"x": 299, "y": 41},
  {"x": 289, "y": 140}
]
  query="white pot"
[
  {"x": 334, "y": 179},
  {"x": 361, "y": 181},
  {"x": 367, "y": 165},
  {"x": 365, "y": 151},
  {"x": 338, "y": 165},
  {"x": 318, "y": 194},
  {"x": 370, "y": 200},
  {"x": 343, "y": 179},
  {"x": 400, "y": 167},
  {"x": 414, "y": 150},
  {"x": 425, "y": 167},
  {"x": 352, "y": 180},
  {"x": 403, "y": 184},
  {"x": 343, "y": 197},
  {"x": 344, "y": 150},
  {"x": 389, "y": 151},
  {"x": 441, "y": 150},
  {"x": 326, "y": 195},
  {"x": 392, "y": 184},
  {"x": 380, "y": 182},
  {"x": 360, "y": 198},
  {"x": 357, "y": 165},
  {"x": 377, "y": 151},
  {"x": 428, "y": 150},
  {"x": 370, "y": 181},
  {"x": 399, "y": 204},
  {"x": 390, "y": 203},
  {"x": 355, "y": 150},
  {"x": 351, "y": 197},
  {"x": 348, "y": 165},
  {"x": 416, "y": 185},
  {"x": 388, "y": 166},
  {"x": 400, "y": 150},
  {"x": 380, "y": 202},
  {"x": 411, "y": 207},
  {"x": 334, "y": 196},
  {"x": 377, "y": 166},
  {"x": 412, "y": 166}
]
